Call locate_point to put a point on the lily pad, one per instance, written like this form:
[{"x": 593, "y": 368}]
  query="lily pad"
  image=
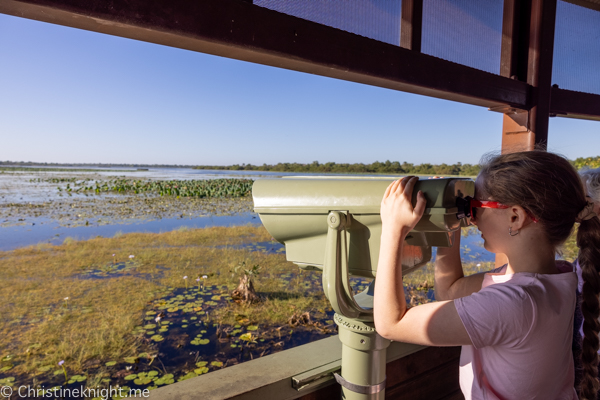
[
  {"x": 252, "y": 328},
  {"x": 201, "y": 371},
  {"x": 110, "y": 363},
  {"x": 218, "y": 364},
  {"x": 187, "y": 376},
  {"x": 247, "y": 337},
  {"x": 157, "y": 338},
  {"x": 130, "y": 377},
  {"x": 201, "y": 364},
  {"x": 131, "y": 360}
]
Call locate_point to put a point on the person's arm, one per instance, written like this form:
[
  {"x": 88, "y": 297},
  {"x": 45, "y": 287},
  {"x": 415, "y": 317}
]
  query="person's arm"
[
  {"x": 436, "y": 324},
  {"x": 450, "y": 282}
]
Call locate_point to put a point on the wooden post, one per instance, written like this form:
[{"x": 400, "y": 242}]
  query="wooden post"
[
  {"x": 411, "y": 24},
  {"x": 527, "y": 53}
]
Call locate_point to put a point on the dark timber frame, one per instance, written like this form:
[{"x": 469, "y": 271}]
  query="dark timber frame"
[
  {"x": 241, "y": 30},
  {"x": 238, "y": 29}
]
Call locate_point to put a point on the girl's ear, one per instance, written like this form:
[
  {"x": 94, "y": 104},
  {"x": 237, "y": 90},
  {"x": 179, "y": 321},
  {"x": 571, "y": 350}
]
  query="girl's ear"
[{"x": 518, "y": 216}]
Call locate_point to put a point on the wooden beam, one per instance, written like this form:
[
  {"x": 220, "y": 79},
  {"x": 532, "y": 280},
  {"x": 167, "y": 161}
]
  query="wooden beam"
[
  {"x": 516, "y": 132},
  {"x": 243, "y": 31},
  {"x": 539, "y": 71},
  {"x": 515, "y": 39},
  {"x": 527, "y": 129},
  {"x": 571, "y": 104},
  {"x": 526, "y": 29},
  {"x": 411, "y": 26}
]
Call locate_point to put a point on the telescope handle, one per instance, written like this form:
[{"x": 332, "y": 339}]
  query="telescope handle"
[{"x": 335, "y": 270}]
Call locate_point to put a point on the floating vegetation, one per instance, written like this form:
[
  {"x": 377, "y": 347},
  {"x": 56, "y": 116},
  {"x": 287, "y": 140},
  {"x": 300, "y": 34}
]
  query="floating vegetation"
[
  {"x": 98, "y": 211},
  {"x": 92, "y": 200},
  {"x": 212, "y": 188}
]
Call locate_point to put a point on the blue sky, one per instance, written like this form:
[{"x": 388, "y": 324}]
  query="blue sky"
[{"x": 69, "y": 95}]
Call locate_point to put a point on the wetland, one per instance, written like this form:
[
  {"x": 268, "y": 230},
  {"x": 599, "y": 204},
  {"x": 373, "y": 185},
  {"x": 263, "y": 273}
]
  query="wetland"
[{"x": 110, "y": 279}]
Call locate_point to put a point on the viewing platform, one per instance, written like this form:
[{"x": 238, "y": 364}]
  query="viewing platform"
[{"x": 306, "y": 372}]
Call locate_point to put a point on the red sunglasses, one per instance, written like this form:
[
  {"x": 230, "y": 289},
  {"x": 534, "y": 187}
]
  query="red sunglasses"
[{"x": 467, "y": 207}]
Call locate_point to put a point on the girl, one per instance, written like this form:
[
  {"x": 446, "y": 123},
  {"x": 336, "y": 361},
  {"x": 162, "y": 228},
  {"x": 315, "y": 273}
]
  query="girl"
[{"x": 515, "y": 325}]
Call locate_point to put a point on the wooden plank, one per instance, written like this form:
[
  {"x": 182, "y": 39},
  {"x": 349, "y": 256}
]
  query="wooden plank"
[
  {"x": 429, "y": 374},
  {"x": 411, "y": 27},
  {"x": 515, "y": 39},
  {"x": 539, "y": 72},
  {"x": 333, "y": 391},
  {"x": 237, "y": 29},
  {"x": 571, "y": 104}
]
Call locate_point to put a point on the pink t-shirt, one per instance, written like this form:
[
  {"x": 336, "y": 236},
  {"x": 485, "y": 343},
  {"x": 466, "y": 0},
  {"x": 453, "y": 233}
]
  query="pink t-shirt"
[{"x": 521, "y": 326}]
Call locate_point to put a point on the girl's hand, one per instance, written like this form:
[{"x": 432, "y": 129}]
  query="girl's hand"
[{"x": 397, "y": 213}]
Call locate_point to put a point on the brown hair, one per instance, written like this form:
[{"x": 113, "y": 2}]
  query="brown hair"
[{"x": 549, "y": 187}]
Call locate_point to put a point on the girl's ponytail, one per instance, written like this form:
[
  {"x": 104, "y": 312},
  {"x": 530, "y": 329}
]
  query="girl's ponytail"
[{"x": 588, "y": 241}]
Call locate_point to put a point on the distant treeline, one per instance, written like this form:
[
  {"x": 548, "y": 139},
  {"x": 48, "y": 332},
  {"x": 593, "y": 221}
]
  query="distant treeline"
[
  {"x": 387, "y": 167},
  {"x": 587, "y": 162}
]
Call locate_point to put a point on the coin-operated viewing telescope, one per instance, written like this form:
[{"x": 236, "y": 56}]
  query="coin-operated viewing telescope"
[{"x": 333, "y": 225}]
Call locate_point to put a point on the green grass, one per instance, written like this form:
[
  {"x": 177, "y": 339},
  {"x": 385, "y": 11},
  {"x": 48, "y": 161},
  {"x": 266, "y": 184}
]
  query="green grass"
[
  {"x": 111, "y": 298},
  {"x": 39, "y": 326}
]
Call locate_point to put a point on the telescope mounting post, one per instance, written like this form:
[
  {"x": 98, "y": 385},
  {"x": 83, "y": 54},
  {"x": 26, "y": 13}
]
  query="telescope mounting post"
[{"x": 363, "y": 350}]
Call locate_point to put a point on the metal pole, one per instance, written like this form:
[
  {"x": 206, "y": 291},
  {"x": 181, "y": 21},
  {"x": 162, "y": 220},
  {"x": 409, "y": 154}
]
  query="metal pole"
[{"x": 363, "y": 360}]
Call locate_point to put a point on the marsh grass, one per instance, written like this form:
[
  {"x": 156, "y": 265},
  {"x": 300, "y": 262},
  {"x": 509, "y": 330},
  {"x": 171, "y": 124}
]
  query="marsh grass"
[
  {"x": 79, "y": 303},
  {"x": 94, "y": 302}
]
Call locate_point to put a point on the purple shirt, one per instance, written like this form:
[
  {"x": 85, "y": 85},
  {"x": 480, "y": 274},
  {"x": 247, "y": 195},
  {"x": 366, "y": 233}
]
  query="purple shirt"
[{"x": 521, "y": 326}]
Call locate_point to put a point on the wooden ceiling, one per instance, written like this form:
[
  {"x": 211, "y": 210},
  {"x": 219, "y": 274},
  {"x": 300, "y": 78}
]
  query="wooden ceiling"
[{"x": 241, "y": 30}]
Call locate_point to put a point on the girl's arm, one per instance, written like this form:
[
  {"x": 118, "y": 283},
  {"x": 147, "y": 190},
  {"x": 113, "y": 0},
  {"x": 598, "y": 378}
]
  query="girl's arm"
[
  {"x": 436, "y": 324},
  {"x": 450, "y": 282}
]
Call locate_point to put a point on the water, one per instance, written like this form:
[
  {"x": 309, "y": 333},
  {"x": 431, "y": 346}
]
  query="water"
[
  {"x": 15, "y": 187},
  {"x": 45, "y": 231}
]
